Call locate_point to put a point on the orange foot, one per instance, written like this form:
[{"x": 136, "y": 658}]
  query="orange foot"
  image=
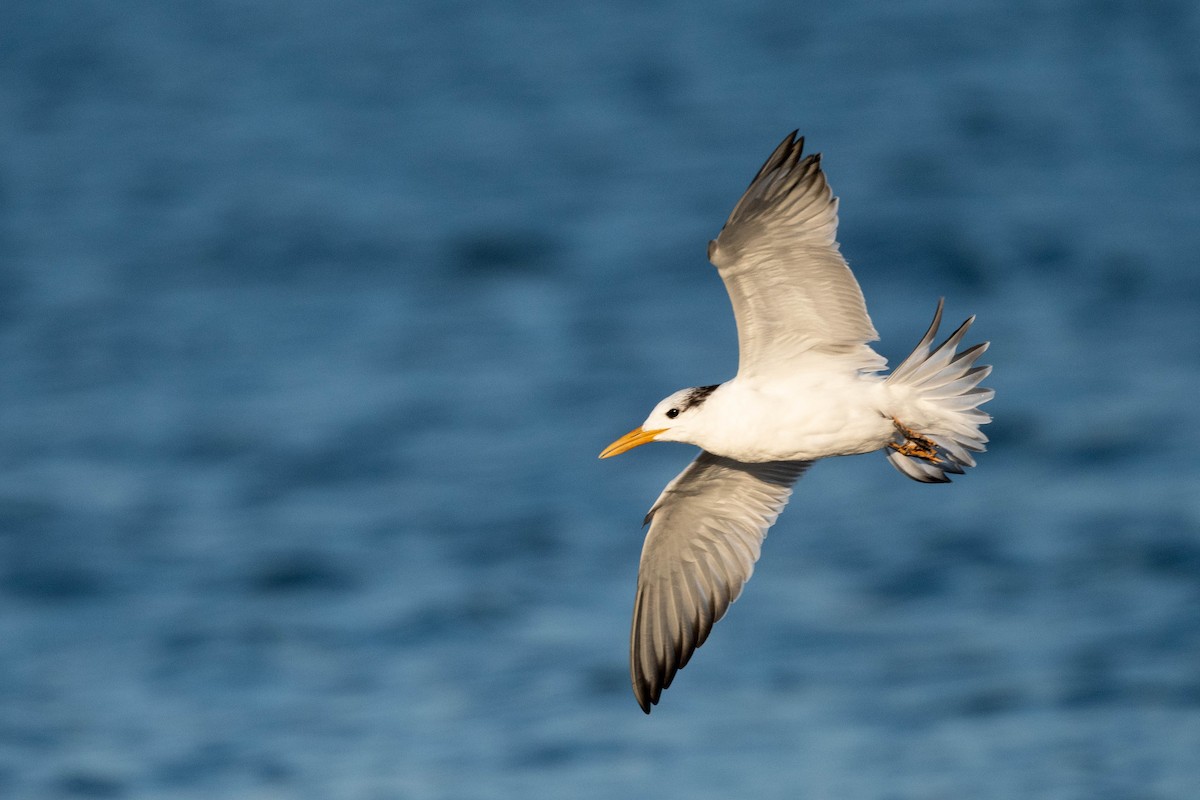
[{"x": 914, "y": 444}]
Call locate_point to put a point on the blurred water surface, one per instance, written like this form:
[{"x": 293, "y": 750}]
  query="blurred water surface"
[{"x": 314, "y": 316}]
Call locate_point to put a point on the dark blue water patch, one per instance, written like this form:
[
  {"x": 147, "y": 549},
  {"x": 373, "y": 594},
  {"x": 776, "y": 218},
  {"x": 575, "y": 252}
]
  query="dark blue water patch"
[
  {"x": 89, "y": 784},
  {"x": 300, "y": 572},
  {"x": 476, "y": 613},
  {"x": 1011, "y": 428},
  {"x": 70, "y": 61},
  {"x": 1162, "y": 545},
  {"x": 209, "y": 445},
  {"x": 1125, "y": 301},
  {"x": 341, "y": 462},
  {"x": 1147, "y": 662},
  {"x": 961, "y": 264},
  {"x": 262, "y": 236},
  {"x": 1090, "y": 679},
  {"x": 964, "y": 547},
  {"x": 88, "y": 345},
  {"x": 788, "y": 679},
  {"x": 1173, "y": 636},
  {"x": 912, "y": 583},
  {"x": 1122, "y": 278},
  {"x": 921, "y": 174},
  {"x": 358, "y": 454},
  {"x": 53, "y": 583},
  {"x": 42, "y": 562},
  {"x": 1174, "y": 557},
  {"x": 954, "y": 260},
  {"x": 27, "y": 519},
  {"x": 955, "y": 694},
  {"x": 253, "y": 245},
  {"x": 964, "y": 562},
  {"x": 549, "y": 755},
  {"x": 655, "y": 84},
  {"x": 14, "y": 305},
  {"x": 605, "y": 679},
  {"x": 981, "y": 120},
  {"x": 235, "y": 654},
  {"x": 930, "y": 681},
  {"x": 990, "y": 701},
  {"x": 503, "y": 251},
  {"x": 1101, "y": 449},
  {"x": 160, "y": 183},
  {"x": 1046, "y": 251},
  {"x": 499, "y": 538}
]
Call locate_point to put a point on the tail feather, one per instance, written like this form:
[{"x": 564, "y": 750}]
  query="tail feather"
[{"x": 944, "y": 394}]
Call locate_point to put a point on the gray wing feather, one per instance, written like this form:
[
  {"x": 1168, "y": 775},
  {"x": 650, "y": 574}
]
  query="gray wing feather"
[
  {"x": 792, "y": 292},
  {"x": 706, "y": 531}
]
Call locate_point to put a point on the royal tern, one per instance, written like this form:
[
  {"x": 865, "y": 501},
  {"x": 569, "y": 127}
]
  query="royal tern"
[{"x": 808, "y": 386}]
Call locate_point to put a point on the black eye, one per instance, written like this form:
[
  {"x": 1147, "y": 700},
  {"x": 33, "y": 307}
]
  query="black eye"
[{"x": 673, "y": 413}]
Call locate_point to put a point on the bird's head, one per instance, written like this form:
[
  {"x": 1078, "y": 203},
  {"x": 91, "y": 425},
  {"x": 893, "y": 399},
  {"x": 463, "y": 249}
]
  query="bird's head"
[{"x": 672, "y": 420}]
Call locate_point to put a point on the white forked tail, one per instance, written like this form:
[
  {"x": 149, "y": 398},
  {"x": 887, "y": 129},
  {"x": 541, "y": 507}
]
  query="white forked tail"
[{"x": 939, "y": 390}]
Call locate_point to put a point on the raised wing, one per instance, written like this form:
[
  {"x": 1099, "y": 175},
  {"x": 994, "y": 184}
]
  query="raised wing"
[
  {"x": 792, "y": 291},
  {"x": 706, "y": 530}
]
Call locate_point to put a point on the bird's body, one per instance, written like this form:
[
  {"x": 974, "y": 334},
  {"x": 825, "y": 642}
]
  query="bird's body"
[
  {"x": 808, "y": 387},
  {"x": 801, "y": 417}
]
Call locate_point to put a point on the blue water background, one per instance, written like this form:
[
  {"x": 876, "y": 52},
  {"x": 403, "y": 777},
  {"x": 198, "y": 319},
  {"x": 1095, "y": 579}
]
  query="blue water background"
[{"x": 314, "y": 317}]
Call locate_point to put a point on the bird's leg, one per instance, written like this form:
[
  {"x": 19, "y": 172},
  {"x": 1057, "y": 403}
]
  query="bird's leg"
[{"x": 914, "y": 444}]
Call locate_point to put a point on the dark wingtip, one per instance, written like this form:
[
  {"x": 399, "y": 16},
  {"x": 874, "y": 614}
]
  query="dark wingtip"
[{"x": 643, "y": 697}]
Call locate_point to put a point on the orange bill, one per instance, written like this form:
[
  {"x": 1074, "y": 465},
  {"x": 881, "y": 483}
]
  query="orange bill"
[{"x": 635, "y": 437}]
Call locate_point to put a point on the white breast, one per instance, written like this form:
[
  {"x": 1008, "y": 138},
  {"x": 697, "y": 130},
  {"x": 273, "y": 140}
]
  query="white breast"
[{"x": 813, "y": 415}]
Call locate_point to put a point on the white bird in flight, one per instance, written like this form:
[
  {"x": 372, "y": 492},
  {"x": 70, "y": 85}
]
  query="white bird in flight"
[{"x": 808, "y": 386}]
